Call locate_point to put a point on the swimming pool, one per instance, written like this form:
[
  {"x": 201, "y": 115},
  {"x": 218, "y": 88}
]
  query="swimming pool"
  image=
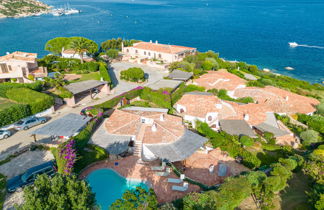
[{"x": 110, "y": 186}]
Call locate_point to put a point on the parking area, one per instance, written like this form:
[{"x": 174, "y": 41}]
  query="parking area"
[{"x": 153, "y": 75}]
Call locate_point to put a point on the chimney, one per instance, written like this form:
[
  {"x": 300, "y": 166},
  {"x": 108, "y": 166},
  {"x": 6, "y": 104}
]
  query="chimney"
[
  {"x": 156, "y": 42},
  {"x": 154, "y": 127},
  {"x": 162, "y": 117},
  {"x": 246, "y": 117},
  {"x": 286, "y": 98}
]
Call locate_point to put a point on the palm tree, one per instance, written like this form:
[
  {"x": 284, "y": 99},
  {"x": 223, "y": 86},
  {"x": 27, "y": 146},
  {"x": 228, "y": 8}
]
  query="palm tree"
[{"x": 79, "y": 45}]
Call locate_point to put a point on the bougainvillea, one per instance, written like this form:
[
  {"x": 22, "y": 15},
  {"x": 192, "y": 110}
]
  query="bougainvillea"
[{"x": 68, "y": 153}]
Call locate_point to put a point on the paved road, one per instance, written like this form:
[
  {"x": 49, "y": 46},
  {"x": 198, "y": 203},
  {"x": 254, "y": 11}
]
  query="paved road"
[{"x": 23, "y": 138}]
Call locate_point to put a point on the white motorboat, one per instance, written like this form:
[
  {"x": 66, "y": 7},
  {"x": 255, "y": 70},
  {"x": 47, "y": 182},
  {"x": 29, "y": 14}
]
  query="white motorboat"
[{"x": 293, "y": 44}]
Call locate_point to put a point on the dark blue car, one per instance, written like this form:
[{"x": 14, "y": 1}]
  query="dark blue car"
[{"x": 30, "y": 175}]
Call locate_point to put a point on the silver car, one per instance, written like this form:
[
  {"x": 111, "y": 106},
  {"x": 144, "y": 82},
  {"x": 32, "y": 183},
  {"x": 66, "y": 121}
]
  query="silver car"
[
  {"x": 4, "y": 134},
  {"x": 27, "y": 123}
]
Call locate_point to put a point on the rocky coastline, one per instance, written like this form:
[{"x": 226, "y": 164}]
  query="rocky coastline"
[{"x": 22, "y": 8}]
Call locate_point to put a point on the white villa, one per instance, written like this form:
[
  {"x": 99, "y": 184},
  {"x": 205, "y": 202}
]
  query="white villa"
[
  {"x": 164, "y": 52},
  {"x": 19, "y": 65}
]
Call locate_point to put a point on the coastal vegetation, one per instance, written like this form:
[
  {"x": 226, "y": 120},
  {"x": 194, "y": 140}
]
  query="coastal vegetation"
[
  {"x": 116, "y": 44},
  {"x": 21, "y": 8},
  {"x": 210, "y": 61}
]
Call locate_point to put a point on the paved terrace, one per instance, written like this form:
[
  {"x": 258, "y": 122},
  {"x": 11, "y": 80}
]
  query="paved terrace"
[{"x": 129, "y": 168}]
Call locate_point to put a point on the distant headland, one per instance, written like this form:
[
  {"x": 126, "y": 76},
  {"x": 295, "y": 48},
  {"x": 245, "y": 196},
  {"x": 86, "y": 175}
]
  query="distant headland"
[{"x": 22, "y": 8}]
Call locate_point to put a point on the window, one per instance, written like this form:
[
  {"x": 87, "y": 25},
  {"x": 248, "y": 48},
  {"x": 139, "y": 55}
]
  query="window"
[
  {"x": 181, "y": 110},
  {"x": 210, "y": 118},
  {"x": 10, "y": 69},
  {"x": 136, "y": 51},
  {"x": 144, "y": 52},
  {"x": 149, "y": 54},
  {"x": 4, "y": 68},
  {"x": 143, "y": 120},
  {"x": 160, "y": 56}
]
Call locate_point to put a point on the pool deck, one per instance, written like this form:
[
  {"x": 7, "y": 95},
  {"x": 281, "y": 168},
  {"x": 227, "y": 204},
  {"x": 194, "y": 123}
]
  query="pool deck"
[
  {"x": 130, "y": 168},
  {"x": 195, "y": 167}
]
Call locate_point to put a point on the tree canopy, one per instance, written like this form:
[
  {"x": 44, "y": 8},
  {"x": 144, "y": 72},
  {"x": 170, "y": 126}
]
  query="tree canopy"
[
  {"x": 138, "y": 198},
  {"x": 57, "y": 44},
  {"x": 81, "y": 44},
  {"x": 59, "y": 192}
]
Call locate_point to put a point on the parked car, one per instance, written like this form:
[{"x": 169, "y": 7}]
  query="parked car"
[
  {"x": 29, "y": 122},
  {"x": 4, "y": 134},
  {"x": 30, "y": 175}
]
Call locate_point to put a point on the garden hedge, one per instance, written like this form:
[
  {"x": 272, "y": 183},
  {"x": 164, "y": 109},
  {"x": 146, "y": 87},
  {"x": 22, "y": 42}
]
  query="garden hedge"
[
  {"x": 104, "y": 72},
  {"x": 14, "y": 113},
  {"x": 37, "y": 101}
]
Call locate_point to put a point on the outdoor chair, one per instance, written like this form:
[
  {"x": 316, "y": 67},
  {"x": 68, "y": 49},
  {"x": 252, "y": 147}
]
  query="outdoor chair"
[
  {"x": 164, "y": 173},
  {"x": 181, "y": 188},
  {"x": 159, "y": 168}
]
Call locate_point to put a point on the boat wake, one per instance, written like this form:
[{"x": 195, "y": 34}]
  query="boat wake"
[{"x": 294, "y": 44}]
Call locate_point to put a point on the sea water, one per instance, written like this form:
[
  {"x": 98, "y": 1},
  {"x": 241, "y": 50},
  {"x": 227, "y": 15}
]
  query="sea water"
[{"x": 254, "y": 31}]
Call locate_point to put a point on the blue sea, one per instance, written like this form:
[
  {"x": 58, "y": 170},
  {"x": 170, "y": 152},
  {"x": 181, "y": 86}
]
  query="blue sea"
[{"x": 254, "y": 31}]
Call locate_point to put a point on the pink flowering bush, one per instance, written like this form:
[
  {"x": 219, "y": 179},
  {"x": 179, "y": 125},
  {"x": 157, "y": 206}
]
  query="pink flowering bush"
[{"x": 68, "y": 157}]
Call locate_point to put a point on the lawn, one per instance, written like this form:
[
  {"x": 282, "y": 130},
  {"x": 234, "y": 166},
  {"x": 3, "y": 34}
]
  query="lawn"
[
  {"x": 294, "y": 197},
  {"x": 5, "y": 103},
  {"x": 90, "y": 154},
  {"x": 90, "y": 76}
]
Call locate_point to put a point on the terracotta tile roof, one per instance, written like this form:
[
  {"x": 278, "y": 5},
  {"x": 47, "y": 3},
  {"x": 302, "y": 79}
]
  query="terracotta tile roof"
[
  {"x": 163, "y": 48},
  {"x": 279, "y": 100},
  {"x": 199, "y": 105},
  {"x": 23, "y": 56},
  {"x": 128, "y": 122},
  {"x": 220, "y": 79}
]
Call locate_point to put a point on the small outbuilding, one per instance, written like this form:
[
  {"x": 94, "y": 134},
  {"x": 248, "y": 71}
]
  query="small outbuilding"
[
  {"x": 85, "y": 88},
  {"x": 165, "y": 83},
  {"x": 180, "y": 75}
]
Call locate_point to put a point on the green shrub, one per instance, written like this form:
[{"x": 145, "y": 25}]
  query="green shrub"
[
  {"x": 133, "y": 74},
  {"x": 104, "y": 72},
  {"x": 14, "y": 113},
  {"x": 82, "y": 139},
  {"x": 37, "y": 101},
  {"x": 246, "y": 141},
  {"x": 320, "y": 108},
  {"x": 309, "y": 137},
  {"x": 31, "y": 77},
  {"x": 112, "y": 53}
]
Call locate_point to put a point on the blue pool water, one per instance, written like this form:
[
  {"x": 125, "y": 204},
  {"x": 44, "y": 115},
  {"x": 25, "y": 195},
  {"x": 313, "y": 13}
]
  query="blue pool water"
[
  {"x": 255, "y": 31},
  {"x": 110, "y": 186}
]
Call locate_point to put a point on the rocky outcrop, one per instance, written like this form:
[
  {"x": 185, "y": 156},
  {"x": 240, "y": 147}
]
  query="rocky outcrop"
[{"x": 22, "y": 8}]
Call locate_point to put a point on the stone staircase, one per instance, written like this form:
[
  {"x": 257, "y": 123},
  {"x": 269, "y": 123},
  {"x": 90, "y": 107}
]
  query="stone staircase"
[{"x": 139, "y": 141}]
